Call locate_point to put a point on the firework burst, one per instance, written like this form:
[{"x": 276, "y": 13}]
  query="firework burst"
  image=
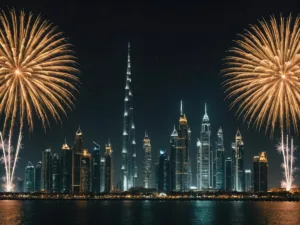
[
  {"x": 37, "y": 70},
  {"x": 263, "y": 77}
]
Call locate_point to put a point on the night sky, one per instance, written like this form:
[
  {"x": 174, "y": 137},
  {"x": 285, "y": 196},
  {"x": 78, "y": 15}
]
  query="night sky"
[{"x": 177, "y": 53}]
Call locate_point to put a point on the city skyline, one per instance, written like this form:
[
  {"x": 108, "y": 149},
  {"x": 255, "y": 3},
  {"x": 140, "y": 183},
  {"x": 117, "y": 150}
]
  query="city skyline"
[{"x": 175, "y": 63}]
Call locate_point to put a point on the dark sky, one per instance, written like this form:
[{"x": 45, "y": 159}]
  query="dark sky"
[{"x": 177, "y": 52}]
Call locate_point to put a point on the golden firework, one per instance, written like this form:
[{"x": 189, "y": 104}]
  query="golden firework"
[
  {"x": 37, "y": 70},
  {"x": 263, "y": 74}
]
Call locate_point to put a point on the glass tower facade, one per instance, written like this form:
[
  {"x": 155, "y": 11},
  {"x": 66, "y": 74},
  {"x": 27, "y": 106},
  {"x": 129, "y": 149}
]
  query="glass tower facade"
[
  {"x": 47, "y": 171},
  {"x": 56, "y": 179},
  {"x": 183, "y": 140},
  {"x": 228, "y": 174},
  {"x": 85, "y": 171},
  {"x": 260, "y": 172},
  {"x": 38, "y": 177},
  {"x": 147, "y": 173},
  {"x": 102, "y": 174},
  {"x": 173, "y": 161},
  {"x": 108, "y": 169},
  {"x": 220, "y": 161},
  {"x": 96, "y": 169},
  {"x": 66, "y": 179},
  {"x": 238, "y": 163},
  {"x": 204, "y": 155},
  {"x": 29, "y": 178}
]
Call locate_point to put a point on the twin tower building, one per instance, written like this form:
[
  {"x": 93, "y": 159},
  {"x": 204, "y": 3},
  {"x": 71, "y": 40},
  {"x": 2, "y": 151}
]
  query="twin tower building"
[{"x": 173, "y": 169}]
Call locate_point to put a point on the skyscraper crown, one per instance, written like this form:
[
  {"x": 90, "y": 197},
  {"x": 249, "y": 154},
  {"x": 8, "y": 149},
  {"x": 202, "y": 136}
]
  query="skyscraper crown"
[
  {"x": 174, "y": 133},
  {"x": 205, "y": 117}
]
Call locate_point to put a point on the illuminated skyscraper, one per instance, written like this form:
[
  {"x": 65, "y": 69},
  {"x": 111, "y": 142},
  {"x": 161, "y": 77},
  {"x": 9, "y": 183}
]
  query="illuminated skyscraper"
[
  {"x": 183, "y": 140},
  {"x": 47, "y": 171},
  {"x": 173, "y": 161},
  {"x": 248, "y": 180},
  {"x": 85, "y": 171},
  {"x": 260, "y": 172},
  {"x": 204, "y": 155},
  {"x": 228, "y": 174},
  {"x": 199, "y": 163},
  {"x": 56, "y": 171},
  {"x": 77, "y": 151},
  {"x": 96, "y": 169},
  {"x": 238, "y": 163},
  {"x": 129, "y": 167},
  {"x": 102, "y": 174},
  {"x": 162, "y": 173},
  {"x": 29, "y": 178},
  {"x": 220, "y": 161},
  {"x": 147, "y": 182},
  {"x": 38, "y": 177},
  {"x": 66, "y": 158},
  {"x": 108, "y": 168}
]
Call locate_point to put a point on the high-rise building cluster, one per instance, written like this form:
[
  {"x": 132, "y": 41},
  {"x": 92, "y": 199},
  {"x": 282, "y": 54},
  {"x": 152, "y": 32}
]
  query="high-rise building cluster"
[
  {"x": 75, "y": 170},
  {"x": 72, "y": 171}
]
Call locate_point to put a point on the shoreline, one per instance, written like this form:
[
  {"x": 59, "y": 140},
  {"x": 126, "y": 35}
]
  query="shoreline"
[{"x": 159, "y": 199}]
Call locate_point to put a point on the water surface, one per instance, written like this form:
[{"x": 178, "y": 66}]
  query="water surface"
[{"x": 147, "y": 212}]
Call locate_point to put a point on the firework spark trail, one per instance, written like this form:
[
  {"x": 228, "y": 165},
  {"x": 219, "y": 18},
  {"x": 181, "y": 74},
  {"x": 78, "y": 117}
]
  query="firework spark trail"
[
  {"x": 263, "y": 77},
  {"x": 288, "y": 160},
  {"x": 37, "y": 70}
]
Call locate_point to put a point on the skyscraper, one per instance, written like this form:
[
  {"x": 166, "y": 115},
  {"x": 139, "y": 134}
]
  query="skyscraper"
[
  {"x": 108, "y": 168},
  {"x": 66, "y": 158},
  {"x": 102, "y": 174},
  {"x": 56, "y": 171},
  {"x": 199, "y": 163},
  {"x": 204, "y": 154},
  {"x": 162, "y": 172},
  {"x": 96, "y": 169},
  {"x": 47, "y": 171},
  {"x": 29, "y": 178},
  {"x": 20, "y": 185},
  {"x": 248, "y": 180},
  {"x": 260, "y": 172},
  {"x": 238, "y": 164},
  {"x": 147, "y": 181},
  {"x": 77, "y": 151},
  {"x": 220, "y": 161},
  {"x": 228, "y": 174},
  {"x": 183, "y": 141},
  {"x": 38, "y": 177},
  {"x": 173, "y": 161},
  {"x": 85, "y": 171},
  {"x": 129, "y": 167}
]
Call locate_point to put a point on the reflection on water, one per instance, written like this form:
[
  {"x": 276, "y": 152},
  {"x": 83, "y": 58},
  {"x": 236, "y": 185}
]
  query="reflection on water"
[{"x": 148, "y": 212}]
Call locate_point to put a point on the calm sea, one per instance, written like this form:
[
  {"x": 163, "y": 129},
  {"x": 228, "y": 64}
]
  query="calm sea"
[{"x": 147, "y": 212}]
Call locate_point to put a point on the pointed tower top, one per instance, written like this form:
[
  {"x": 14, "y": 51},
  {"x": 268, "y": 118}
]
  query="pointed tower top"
[
  {"x": 174, "y": 133},
  {"x": 181, "y": 108},
  {"x": 220, "y": 131},
  {"x": 65, "y": 146},
  {"x": 238, "y": 133},
  {"x": 183, "y": 119},
  {"x": 146, "y": 134},
  {"x": 79, "y": 132},
  {"x": 205, "y": 117},
  {"x": 108, "y": 142}
]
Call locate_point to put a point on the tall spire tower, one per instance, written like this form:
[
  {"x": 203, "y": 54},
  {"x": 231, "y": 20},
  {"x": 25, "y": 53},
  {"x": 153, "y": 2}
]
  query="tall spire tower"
[
  {"x": 204, "y": 170},
  {"x": 128, "y": 168}
]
